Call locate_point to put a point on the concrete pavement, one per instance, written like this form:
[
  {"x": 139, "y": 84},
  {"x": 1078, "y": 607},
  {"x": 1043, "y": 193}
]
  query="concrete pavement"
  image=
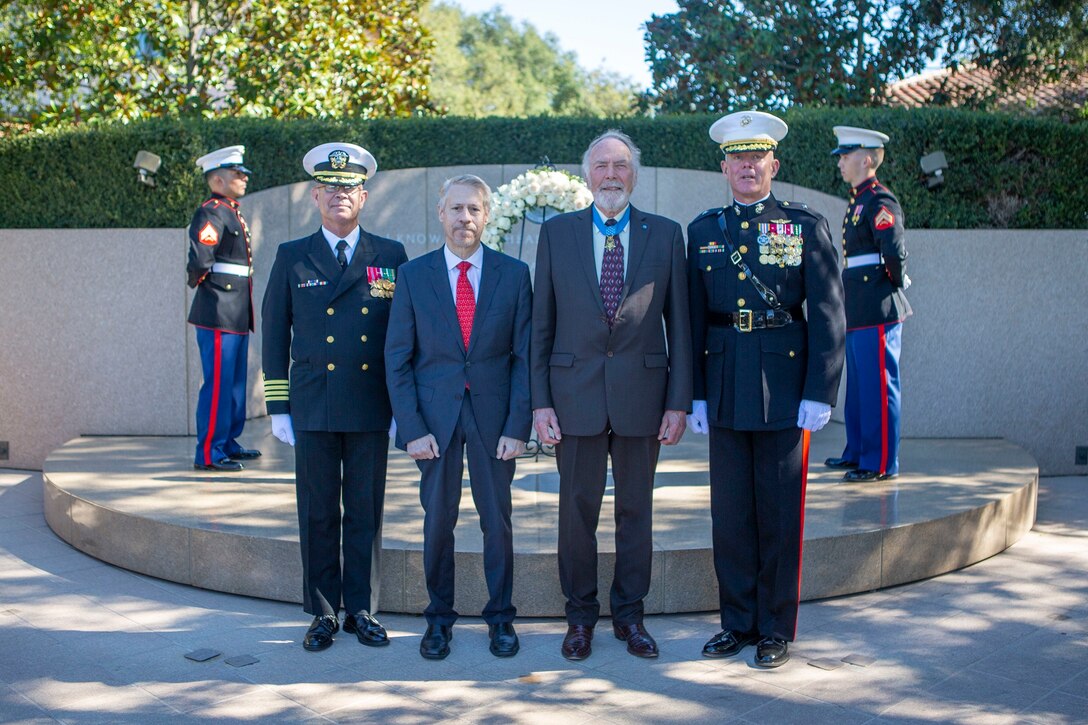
[{"x": 1003, "y": 641}]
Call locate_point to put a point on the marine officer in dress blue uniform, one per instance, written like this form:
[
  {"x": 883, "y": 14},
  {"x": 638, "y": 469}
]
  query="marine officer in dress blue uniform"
[
  {"x": 766, "y": 373},
  {"x": 325, "y": 315},
  {"x": 874, "y": 278},
  {"x": 220, "y": 268}
]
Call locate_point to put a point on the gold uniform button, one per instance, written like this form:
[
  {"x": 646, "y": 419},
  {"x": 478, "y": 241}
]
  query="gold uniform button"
[
  {"x": 365, "y": 366},
  {"x": 329, "y": 338},
  {"x": 610, "y": 353},
  {"x": 865, "y": 278},
  {"x": 793, "y": 354},
  {"x": 744, "y": 225},
  {"x": 363, "y": 338},
  {"x": 329, "y": 311},
  {"x": 742, "y": 276},
  {"x": 331, "y": 366},
  {"x": 708, "y": 268},
  {"x": 743, "y": 249},
  {"x": 366, "y": 311},
  {"x": 740, "y": 302},
  {"x": 229, "y": 287}
]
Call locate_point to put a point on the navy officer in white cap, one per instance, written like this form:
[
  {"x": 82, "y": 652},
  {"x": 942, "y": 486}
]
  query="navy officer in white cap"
[
  {"x": 873, "y": 279},
  {"x": 220, "y": 269},
  {"x": 325, "y": 315},
  {"x": 766, "y": 374}
]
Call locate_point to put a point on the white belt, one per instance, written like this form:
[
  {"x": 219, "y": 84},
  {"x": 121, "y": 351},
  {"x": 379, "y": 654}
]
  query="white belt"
[
  {"x": 226, "y": 268},
  {"x": 859, "y": 260}
]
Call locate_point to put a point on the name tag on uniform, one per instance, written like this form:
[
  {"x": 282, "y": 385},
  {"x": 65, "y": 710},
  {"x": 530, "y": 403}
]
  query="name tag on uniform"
[{"x": 312, "y": 283}]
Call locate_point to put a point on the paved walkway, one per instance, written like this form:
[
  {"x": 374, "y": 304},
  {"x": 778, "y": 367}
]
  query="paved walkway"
[{"x": 1003, "y": 641}]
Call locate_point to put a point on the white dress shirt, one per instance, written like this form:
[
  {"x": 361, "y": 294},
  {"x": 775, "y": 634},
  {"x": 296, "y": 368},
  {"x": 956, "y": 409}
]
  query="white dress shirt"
[
  {"x": 352, "y": 239},
  {"x": 598, "y": 241},
  {"x": 476, "y": 259}
]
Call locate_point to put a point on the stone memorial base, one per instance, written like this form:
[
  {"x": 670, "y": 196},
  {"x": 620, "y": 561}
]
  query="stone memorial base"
[{"x": 136, "y": 502}]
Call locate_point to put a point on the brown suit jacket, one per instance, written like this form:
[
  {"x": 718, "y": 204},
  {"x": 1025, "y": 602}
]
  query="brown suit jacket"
[{"x": 626, "y": 377}]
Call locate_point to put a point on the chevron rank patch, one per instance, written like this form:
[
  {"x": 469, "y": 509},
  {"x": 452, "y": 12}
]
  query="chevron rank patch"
[
  {"x": 884, "y": 219},
  {"x": 208, "y": 234}
]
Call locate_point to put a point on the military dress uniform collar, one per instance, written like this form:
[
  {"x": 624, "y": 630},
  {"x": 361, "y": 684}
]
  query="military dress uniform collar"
[
  {"x": 750, "y": 211},
  {"x": 232, "y": 203},
  {"x": 867, "y": 185}
]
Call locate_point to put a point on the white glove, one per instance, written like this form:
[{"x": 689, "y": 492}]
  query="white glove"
[
  {"x": 281, "y": 428},
  {"x": 393, "y": 429},
  {"x": 906, "y": 282},
  {"x": 697, "y": 419},
  {"x": 812, "y": 415}
]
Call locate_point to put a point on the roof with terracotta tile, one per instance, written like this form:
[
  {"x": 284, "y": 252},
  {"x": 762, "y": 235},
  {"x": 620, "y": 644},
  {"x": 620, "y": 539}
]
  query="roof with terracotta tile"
[{"x": 957, "y": 87}]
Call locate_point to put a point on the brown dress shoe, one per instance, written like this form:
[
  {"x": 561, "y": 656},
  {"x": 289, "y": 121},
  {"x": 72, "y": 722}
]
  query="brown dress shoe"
[
  {"x": 639, "y": 642},
  {"x": 576, "y": 645}
]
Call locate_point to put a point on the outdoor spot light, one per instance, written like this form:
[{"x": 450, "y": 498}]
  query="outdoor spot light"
[
  {"x": 933, "y": 166},
  {"x": 147, "y": 164}
]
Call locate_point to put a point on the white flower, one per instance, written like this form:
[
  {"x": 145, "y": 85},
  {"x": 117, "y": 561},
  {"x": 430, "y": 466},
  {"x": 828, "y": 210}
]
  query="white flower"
[{"x": 537, "y": 187}]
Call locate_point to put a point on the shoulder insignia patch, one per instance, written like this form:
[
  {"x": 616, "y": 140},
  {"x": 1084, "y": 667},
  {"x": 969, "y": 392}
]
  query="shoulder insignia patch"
[
  {"x": 884, "y": 219},
  {"x": 208, "y": 234}
]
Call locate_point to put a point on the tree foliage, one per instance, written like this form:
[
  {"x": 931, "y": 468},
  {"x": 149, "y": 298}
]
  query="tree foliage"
[
  {"x": 71, "y": 61},
  {"x": 1025, "y": 42},
  {"x": 727, "y": 54},
  {"x": 485, "y": 64}
]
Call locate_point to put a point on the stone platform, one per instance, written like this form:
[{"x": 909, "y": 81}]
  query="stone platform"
[{"x": 136, "y": 502}]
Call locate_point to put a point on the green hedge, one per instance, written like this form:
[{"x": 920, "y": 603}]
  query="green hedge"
[{"x": 1004, "y": 170}]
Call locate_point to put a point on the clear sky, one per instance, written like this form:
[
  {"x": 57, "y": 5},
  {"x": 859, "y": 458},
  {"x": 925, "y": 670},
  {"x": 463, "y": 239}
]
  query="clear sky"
[{"x": 603, "y": 33}]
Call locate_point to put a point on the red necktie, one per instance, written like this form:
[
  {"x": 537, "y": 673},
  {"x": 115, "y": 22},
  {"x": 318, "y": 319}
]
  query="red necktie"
[{"x": 466, "y": 302}]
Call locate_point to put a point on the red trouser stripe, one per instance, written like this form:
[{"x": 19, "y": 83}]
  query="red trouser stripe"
[
  {"x": 882, "y": 354},
  {"x": 805, "y": 435},
  {"x": 217, "y": 365}
]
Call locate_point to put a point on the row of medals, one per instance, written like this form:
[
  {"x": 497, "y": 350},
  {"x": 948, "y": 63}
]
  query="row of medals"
[{"x": 780, "y": 243}]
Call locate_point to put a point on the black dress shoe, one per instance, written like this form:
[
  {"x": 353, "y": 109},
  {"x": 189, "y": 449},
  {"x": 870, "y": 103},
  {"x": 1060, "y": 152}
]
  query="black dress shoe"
[
  {"x": 245, "y": 454},
  {"x": 504, "y": 640},
  {"x": 772, "y": 652},
  {"x": 841, "y": 463},
  {"x": 435, "y": 644},
  {"x": 224, "y": 465},
  {"x": 728, "y": 643},
  {"x": 639, "y": 642},
  {"x": 319, "y": 635},
  {"x": 863, "y": 475},
  {"x": 577, "y": 642},
  {"x": 367, "y": 629}
]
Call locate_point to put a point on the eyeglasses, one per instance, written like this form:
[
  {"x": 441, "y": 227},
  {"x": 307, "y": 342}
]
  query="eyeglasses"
[{"x": 337, "y": 190}]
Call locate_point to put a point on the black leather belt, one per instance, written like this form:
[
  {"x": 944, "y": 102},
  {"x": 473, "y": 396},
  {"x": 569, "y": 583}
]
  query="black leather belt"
[{"x": 748, "y": 320}]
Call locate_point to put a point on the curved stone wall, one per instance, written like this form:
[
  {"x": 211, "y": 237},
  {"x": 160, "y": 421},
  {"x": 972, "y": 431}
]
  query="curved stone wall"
[{"x": 93, "y": 337}]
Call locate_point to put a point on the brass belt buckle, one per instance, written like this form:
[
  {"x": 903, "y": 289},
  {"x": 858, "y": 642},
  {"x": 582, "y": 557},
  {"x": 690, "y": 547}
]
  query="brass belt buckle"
[{"x": 744, "y": 320}]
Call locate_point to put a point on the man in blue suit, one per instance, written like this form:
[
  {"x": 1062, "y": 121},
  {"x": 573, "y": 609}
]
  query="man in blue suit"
[{"x": 457, "y": 368}]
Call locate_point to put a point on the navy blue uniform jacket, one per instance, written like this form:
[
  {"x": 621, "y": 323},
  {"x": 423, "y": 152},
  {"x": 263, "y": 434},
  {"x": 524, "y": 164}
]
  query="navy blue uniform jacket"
[
  {"x": 756, "y": 380},
  {"x": 323, "y": 332},
  {"x": 874, "y": 225},
  {"x": 218, "y": 233}
]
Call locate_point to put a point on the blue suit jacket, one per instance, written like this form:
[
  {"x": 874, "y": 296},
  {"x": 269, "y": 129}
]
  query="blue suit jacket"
[{"x": 427, "y": 365}]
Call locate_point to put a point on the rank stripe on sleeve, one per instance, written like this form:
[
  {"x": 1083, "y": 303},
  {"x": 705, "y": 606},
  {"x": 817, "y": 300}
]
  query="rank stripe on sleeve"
[
  {"x": 208, "y": 234},
  {"x": 884, "y": 219},
  {"x": 276, "y": 390}
]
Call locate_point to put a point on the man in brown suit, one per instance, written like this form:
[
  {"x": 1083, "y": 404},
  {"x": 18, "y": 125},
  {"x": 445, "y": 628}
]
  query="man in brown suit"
[{"x": 611, "y": 376}]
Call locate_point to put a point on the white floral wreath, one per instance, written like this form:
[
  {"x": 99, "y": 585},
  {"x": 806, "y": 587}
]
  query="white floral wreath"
[{"x": 542, "y": 187}]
